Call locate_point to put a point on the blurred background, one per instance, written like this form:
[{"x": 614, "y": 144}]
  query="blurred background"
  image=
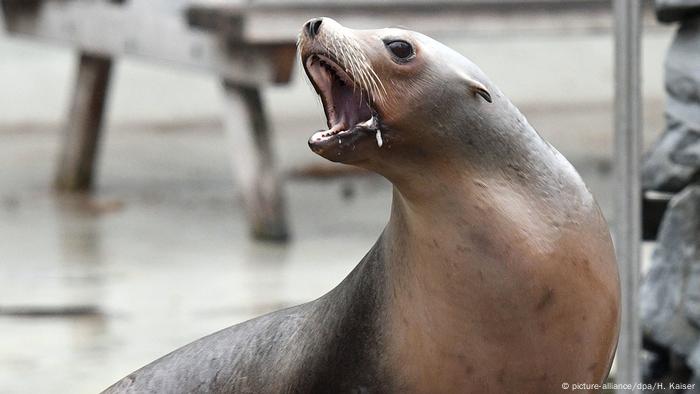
[{"x": 93, "y": 286}]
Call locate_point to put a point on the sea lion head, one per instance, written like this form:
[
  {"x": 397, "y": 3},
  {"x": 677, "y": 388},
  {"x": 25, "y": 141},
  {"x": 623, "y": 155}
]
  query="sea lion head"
[{"x": 391, "y": 96}]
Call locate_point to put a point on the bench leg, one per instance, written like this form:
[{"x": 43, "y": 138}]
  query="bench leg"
[
  {"x": 82, "y": 131},
  {"x": 253, "y": 162}
]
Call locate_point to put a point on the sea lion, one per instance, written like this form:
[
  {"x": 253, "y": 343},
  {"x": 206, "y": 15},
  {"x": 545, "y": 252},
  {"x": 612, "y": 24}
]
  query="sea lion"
[{"x": 495, "y": 273}]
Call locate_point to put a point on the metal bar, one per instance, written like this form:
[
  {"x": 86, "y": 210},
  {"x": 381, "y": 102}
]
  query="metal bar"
[{"x": 628, "y": 146}]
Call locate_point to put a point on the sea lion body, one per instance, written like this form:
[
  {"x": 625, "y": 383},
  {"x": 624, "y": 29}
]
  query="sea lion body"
[{"x": 495, "y": 273}]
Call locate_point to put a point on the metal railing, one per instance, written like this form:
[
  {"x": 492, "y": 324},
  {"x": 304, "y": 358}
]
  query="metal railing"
[{"x": 628, "y": 146}]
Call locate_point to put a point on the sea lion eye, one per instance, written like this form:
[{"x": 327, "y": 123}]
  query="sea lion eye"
[{"x": 401, "y": 49}]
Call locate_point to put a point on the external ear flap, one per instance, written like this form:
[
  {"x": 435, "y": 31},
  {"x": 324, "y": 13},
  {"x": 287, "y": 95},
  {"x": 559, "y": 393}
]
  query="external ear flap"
[
  {"x": 474, "y": 86},
  {"x": 480, "y": 89}
]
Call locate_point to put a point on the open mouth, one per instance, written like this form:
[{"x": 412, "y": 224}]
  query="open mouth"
[{"x": 348, "y": 108}]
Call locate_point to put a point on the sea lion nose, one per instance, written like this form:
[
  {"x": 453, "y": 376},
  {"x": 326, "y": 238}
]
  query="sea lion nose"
[{"x": 313, "y": 26}]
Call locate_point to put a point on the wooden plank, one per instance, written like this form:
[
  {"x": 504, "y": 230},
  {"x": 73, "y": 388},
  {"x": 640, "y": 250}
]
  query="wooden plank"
[
  {"x": 110, "y": 29},
  {"x": 276, "y": 21},
  {"x": 253, "y": 164},
  {"x": 78, "y": 154}
]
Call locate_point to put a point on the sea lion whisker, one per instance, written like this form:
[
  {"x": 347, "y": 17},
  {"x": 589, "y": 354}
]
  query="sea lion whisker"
[
  {"x": 357, "y": 72},
  {"x": 350, "y": 46},
  {"x": 347, "y": 62},
  {"x": 379, "y": 81},
  {"x": 374, "y": 87},
  {"x": 364, "y": 76}
]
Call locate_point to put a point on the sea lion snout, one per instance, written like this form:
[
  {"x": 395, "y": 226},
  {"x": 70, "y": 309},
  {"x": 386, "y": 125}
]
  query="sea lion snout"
[{"x": 341, "y": 71}]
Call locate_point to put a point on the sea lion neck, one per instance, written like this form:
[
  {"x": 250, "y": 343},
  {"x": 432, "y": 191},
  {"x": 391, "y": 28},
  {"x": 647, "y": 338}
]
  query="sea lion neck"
[
  {"x": 508, "y": 151},
  {"x": 434, "y": 246},
  {"x": 450, "y": 233},
  {"x": 446, "y": 270}
]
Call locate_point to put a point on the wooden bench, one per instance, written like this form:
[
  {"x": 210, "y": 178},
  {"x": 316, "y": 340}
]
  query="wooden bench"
[
  {"x": 247, "y": 46},
  {"x": 103, "y": 30}
]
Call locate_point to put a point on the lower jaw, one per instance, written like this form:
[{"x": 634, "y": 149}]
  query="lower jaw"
[
  {"x": 342, "y": 142},
  {"x": 334, "y": 136},
  {"x": 323, "y": 136},
  {"x": 351, "y": 147}
]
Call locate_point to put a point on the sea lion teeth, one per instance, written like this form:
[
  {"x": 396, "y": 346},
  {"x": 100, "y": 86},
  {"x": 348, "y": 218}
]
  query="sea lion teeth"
[
  {"x": 378, "y": 136},
  {"x": 367, "y": 123}
]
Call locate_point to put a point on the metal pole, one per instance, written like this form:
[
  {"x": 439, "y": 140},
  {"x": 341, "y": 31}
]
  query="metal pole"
[{"x": 628, "y": 146}]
